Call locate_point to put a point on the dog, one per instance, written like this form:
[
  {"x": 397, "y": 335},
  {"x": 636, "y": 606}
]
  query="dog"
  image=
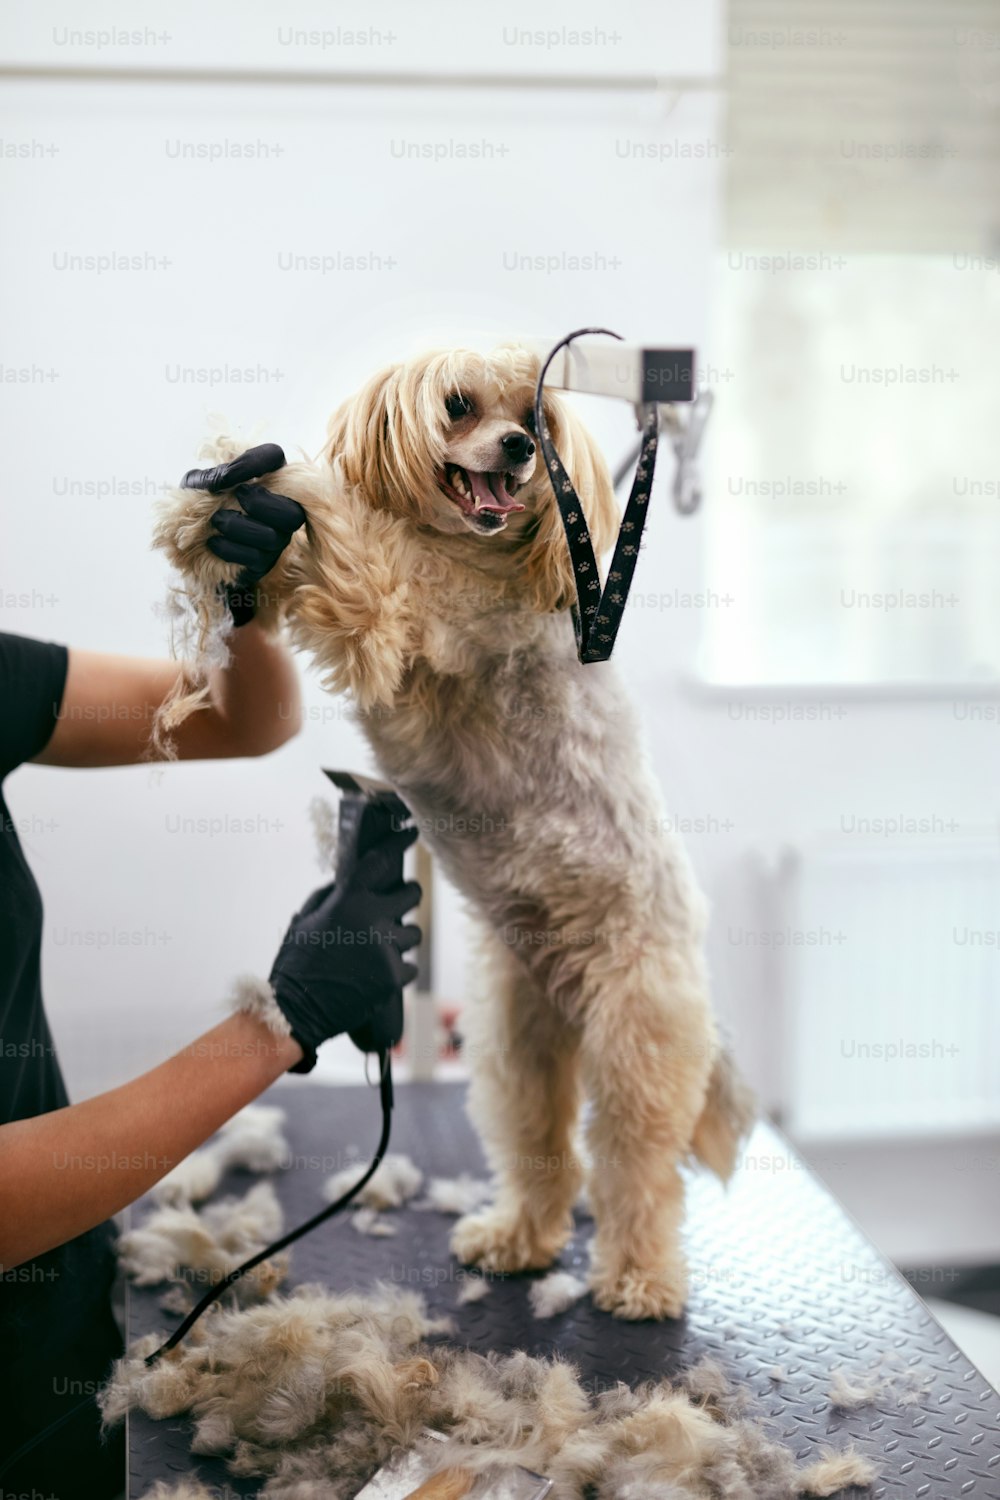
[{"x": 432, "y": 583}]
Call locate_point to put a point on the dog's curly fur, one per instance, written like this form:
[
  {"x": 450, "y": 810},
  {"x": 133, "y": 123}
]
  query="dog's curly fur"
[{"x": 526, "y": 773}]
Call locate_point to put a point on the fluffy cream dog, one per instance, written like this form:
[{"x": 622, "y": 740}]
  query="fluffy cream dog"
[{"x": 433, "y": 583}]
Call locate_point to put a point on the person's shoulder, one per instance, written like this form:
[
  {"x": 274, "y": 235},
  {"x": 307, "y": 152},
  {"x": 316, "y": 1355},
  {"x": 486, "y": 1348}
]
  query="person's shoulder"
[{"x": 32, "y": 682}]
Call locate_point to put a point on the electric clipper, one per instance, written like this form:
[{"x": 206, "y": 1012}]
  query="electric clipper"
[{"x": 368, "y": 810}]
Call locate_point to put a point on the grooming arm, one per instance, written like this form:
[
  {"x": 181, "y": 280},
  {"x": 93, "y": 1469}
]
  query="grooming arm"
[{"x": 633, "y": 372}]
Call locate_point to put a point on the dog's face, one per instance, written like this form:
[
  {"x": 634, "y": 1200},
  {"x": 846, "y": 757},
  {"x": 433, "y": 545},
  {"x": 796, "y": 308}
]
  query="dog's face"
[
  {"x": 448, "y": 443},
  {"x": 447, "y": 440},
  {"x": 490, "y": 452}
]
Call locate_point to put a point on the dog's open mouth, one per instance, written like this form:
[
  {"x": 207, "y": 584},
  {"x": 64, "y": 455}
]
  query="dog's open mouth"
[{"x": 487, "y": 499}]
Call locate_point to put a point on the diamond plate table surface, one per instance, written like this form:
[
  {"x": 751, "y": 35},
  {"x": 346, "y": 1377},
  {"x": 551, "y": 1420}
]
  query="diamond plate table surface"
[{"x": 780, "y": 1277}]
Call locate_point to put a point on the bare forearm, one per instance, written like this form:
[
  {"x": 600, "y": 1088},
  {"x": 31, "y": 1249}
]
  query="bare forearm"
[
  {"x": 64, "y": 1172},
  {"x": 255, "y": 700},
  {"x": 110, "y": 702}
]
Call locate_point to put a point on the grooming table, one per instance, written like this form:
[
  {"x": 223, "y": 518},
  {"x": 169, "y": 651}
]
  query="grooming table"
[{"x": 780, "y": 1277}]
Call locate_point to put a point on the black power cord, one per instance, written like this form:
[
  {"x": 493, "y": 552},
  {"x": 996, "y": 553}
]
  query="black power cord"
[{"x": 386, "y": 1097}]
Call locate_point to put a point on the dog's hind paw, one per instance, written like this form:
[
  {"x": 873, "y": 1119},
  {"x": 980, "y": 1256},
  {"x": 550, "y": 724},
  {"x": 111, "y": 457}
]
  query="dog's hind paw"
[
  {"x": 636, "y": 1294},
  {"x": 496, "y": 1242}
]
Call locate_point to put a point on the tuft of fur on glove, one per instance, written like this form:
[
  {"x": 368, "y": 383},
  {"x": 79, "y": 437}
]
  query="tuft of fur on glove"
[{"x": 255, "y": 997}]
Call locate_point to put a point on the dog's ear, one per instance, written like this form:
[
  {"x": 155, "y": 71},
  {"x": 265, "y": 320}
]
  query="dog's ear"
[
  {"x": 592, "y": 481},
  {"x": 357, "y": 437},
  {"x": 548, "y": 571},
  {"x": 379, "y": 441}
]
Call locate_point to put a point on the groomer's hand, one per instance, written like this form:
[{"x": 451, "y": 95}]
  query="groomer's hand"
[
  {"x": 341, "y": 961},
  {"x": 256, "y": 535}
]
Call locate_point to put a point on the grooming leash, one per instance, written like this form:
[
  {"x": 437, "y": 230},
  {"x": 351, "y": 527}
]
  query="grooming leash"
[{"x": 597, "y": 614}]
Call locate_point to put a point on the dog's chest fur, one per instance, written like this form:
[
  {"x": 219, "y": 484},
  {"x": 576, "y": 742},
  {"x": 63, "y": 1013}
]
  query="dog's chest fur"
[{"x": 529, "y": 781}]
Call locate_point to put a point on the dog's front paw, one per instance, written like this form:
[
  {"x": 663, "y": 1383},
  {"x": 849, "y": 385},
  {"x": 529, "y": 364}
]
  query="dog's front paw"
[
  {"x": 635, "y": 1294},
  {"x": 495, "y": 1241},
  {"x": 183, "y": 529}
]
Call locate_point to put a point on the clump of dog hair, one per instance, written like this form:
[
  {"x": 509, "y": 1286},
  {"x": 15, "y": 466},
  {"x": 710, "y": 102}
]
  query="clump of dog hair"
[
  {"x": 395, "y": 1181},
  {"x": 199, "y": 630},
  {"x": 473, "y": 1289},
  {"x": 836, "y": 1469},
  {"x": 314, "y": 1391},
  {"x": 204, "y": 1246},
  {"x": 847, "y": 1393},
  {"x": 367, "y": 1221},
  {"x": 177, "y": 1300},
  {"x": 267, "y": 1385},
  {"x": 887, "y": 1381},
  {"x": 554, "y": 1293},
  {"x": 455, "y": 1195},
  {"x": 709, "y": 1385},
  {"x": 192, "y": 1180},
  {"x": 252, "y": 1141}
]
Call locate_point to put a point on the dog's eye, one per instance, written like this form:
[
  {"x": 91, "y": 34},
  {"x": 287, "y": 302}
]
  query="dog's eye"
[
  {"x": 457, "y": 405},
  {"x": 529, "y": 422}
]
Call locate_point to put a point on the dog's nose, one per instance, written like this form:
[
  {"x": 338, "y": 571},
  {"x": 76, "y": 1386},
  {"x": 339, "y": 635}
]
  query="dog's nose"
[{"x": 517, "y": 447}]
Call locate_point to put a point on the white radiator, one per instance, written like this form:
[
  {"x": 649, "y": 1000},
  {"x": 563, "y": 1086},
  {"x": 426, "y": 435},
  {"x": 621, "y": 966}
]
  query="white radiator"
[{"x": 890, "y": 973}]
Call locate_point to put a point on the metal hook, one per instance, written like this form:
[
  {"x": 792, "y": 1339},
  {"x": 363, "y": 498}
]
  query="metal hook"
[{"x": 685, "y": 438}]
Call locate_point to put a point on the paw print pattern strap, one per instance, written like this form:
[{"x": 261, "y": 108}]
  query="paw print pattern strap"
[{"x": 597, "y": 614}]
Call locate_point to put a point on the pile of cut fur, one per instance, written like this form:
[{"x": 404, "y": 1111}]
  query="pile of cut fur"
[
  {"x": 191, "y": 1248},
  {"x": 312, "y": 1392}
]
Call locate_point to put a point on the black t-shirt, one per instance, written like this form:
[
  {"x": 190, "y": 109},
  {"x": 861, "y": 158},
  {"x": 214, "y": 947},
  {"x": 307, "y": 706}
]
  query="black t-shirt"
[{"x": 57, "y": 1333}]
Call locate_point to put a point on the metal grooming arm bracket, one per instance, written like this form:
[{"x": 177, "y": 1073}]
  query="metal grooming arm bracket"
[{"x": 641, "y": 376}]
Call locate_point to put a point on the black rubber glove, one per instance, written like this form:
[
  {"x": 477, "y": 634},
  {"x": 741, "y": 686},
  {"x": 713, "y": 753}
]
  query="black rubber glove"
[
  {"x": 341, "y": 961},
  {"x": 255, "y": 536}
]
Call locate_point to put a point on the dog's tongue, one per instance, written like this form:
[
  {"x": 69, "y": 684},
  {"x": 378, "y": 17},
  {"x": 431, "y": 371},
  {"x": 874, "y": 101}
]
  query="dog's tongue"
[{"x": 490, "y": 492}]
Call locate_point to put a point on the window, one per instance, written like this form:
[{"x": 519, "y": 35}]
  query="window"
[{"x": 853, "y": 467}]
